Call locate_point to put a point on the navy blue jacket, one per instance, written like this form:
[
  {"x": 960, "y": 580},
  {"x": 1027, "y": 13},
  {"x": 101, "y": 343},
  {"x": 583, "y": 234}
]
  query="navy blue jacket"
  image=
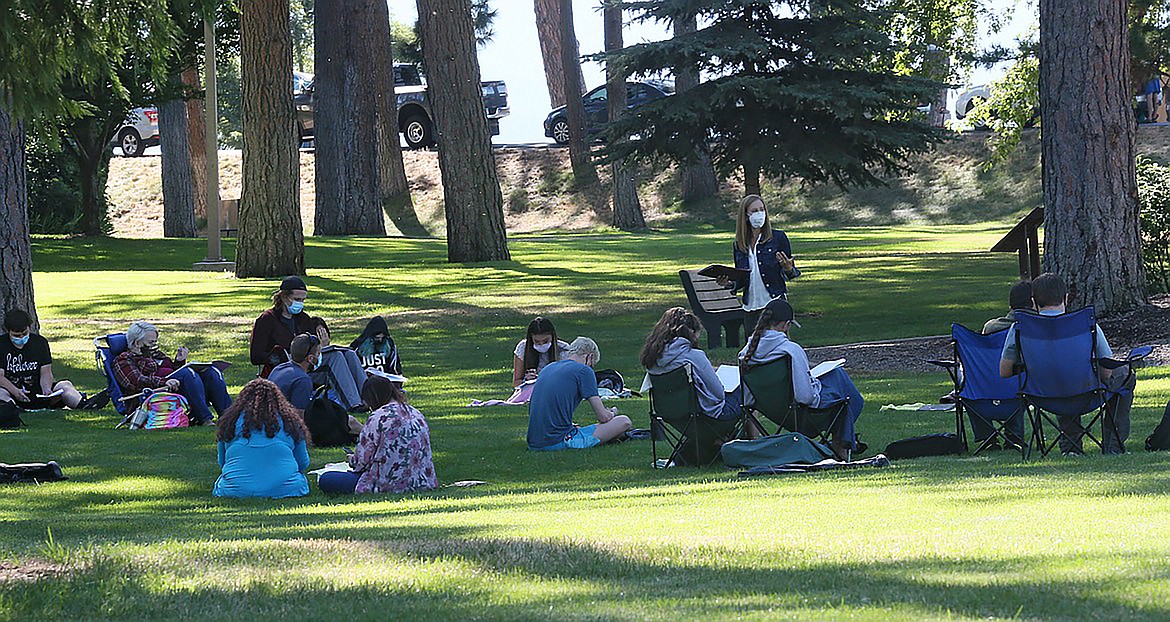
[{"x": 769, "y": 266}]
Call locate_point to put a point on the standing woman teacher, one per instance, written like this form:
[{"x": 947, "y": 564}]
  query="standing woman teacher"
[{"x": 765, "y": 254}]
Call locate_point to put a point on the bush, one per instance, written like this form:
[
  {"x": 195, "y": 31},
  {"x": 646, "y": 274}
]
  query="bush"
[
  {"x": 1153, "y": 181},
  {"x": 54, "y": 198}
]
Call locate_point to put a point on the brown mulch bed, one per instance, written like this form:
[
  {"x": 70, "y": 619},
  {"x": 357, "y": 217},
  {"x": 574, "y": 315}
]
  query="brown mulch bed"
[{"x": 1148, "y": 325}]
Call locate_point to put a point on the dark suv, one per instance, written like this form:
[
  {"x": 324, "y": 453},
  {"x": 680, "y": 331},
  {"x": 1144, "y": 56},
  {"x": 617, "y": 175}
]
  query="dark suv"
[
  {"x": 415, "y": 120},
  {"x": 556, "y": 124}
]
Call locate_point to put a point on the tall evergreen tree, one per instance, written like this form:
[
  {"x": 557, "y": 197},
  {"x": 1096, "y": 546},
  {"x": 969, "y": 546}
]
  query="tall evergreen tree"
[
  {"x": 472, "y": 200},
  {"x": 627, "y": 210},
  {"x": 1091, "y": 228},
  {"x": 697, "y": 179},
  {"x": 579, "y": 152},
  {"x": 794, "y": 93},
  {"x": 271, "y": 238}
]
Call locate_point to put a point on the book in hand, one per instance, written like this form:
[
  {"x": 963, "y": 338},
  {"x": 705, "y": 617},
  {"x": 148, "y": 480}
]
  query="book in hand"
[
  {"x": 729, "y": 376},
  {"x": 51, "y": 395},
  {"x": 334, "y": 348},
  {"x": 199, "y": 366},
  {"x": 826, "y": 367},
  {"x": 716, "y": 270}
]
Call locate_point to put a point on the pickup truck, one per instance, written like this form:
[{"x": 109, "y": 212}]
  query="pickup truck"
[{"x": 415, "y": 120}]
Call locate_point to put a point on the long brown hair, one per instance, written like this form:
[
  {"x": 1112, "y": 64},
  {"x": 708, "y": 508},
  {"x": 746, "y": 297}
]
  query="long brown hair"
[
  {"x": 378, "y": 391},
  {"x": 278, "y": 300},
  {"x": 262, "y": 405},
  {"x": 767, "y": 321},
  {"x": 540, "y": 326},
  {"x": 675, "y": 322},
  {"x": 743, "y": 229}
]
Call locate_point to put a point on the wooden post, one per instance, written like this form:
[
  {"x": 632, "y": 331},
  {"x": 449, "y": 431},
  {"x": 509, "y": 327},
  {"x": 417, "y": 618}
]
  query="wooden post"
[{"x": 214, "y": 262}]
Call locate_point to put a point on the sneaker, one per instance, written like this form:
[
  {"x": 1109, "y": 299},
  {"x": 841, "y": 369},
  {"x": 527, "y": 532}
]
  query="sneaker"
[
  {"x": 95, "y": 402},
  {"x": 1072, "y": 452},
  {"x": 949, "y": 398}
]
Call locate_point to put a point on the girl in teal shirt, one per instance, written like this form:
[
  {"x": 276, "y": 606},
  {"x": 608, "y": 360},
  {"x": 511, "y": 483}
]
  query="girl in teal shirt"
[{"x": 262, "y": 446}]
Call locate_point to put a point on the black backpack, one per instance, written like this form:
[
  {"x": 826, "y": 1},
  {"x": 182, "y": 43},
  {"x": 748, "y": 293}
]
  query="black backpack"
[
  {"x": 929, "y": 445},
  {"x": 1160, "y": 439},
  {"x": 328, "y": 423},
  {"x": 610, "y": 379},
  {"x": 10, "y": 416},
  {"x": 32, "y": 472}
]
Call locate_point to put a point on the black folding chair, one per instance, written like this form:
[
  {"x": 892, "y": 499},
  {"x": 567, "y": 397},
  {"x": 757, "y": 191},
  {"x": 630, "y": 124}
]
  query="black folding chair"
[
  {"x": 770, "y": 387},
  {"x": 675, "y": 418}
]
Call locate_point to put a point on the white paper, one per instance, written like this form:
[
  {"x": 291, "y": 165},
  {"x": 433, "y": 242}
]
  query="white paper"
[
  {"x": 332, "y": 467},
  {"x": 645, "y": 384},
  {"x": 826, "y": 367},
  {"x": 729, "y": 376},
  {"x": 51, "y": 395}
]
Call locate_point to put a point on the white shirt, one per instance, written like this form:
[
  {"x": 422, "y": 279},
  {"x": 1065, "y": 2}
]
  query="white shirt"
[{"x": 757, "y": 296}]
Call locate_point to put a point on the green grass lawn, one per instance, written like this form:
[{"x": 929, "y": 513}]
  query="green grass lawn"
[{"x": 589, "y": 535}]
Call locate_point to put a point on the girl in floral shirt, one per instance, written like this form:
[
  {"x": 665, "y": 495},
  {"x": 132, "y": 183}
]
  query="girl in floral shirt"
[{"x": 393, "y": 453}]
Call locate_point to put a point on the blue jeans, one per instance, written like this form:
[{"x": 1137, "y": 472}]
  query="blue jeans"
[
  {"x": 347, "y": 376},
  {"x": 202, "y": 387},
  {"x": 835, "y": 386},
  {"x": 338, "y": 482}
]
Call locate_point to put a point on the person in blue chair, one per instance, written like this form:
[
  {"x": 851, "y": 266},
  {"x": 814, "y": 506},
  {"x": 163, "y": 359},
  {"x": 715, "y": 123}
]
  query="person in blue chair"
[
  {"x": 1019, "y": 299},
  {"x": 559, "y": 389},
  {"x": 1050, "y": 295},
  {"x": 26, "y": 369},
  {"x": 143, "y": 366},
  {"x": 770, "y": 341}
]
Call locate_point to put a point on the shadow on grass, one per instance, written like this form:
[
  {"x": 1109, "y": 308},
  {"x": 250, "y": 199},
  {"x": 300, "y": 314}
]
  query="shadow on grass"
[{"x": 437, "y": 575}]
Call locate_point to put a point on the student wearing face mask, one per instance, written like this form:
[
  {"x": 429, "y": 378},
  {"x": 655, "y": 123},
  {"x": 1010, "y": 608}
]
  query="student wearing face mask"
[
  {"x": 292, "y": 377},
  {"x": 766, "y": 254},
  {"x": 538, "y": 348},
  {"x": 273, "y": 331},
  {"x": 375, "y": 347},
  {"x": 26, "y": 369},
  {"x": 143, "y": 366}
]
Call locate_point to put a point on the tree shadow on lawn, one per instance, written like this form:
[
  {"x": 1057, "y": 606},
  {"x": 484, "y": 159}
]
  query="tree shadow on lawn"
[{"x": 438, "y": 575}]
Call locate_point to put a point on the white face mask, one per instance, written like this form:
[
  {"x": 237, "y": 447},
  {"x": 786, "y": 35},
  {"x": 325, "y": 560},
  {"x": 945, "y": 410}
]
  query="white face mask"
[
  {"x": 757, "y": 219},
  {"x": 542, "y": 347}
]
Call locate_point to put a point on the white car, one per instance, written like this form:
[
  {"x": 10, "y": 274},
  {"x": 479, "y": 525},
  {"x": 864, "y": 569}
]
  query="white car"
[
  {"x": 139, "y": 131},
  {"x": 969, "y": 99}
]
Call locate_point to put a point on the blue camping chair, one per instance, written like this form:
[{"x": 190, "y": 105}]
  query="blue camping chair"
[
  {"x": 981, "y": 392},
  {"x": 1060, "y": 353},
  {"x": 106, "y": 348}
]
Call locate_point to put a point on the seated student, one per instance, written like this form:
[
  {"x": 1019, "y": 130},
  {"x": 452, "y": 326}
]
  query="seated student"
[
  {"x": 273, "y": 332},
  {"x": 560, "y": 388},
  {"x": 393, "y": 452},
  {"x": 375, "y": 348},
  {"x": 26, "y": 369},
  {"x": 1019, "y": 299},
  {"x": 674, "y": 342},
  {"x": 292, "y": 377},
  {"x": 143, "y": 366},
  {"x": 770, "y": 342},
  {"x": 341, "y": 368},
  {"x": 538, "y": 348},
  {"x": 1050, "y": 295},
  {"x": 262, "y": 446}
]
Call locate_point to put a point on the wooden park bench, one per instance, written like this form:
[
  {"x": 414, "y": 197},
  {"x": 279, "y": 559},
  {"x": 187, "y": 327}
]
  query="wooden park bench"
[{"x": 716, "y": 306}]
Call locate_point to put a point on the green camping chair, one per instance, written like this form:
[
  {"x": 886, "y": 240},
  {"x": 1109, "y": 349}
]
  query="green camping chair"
[
  {"x": 675, "y": 418},
  {"x": 770, "y": 388}
]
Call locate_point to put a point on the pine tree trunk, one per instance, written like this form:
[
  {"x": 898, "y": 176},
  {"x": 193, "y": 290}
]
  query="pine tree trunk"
[
  {"x": 1091, "y": 230},
  {"x": 472, "y": 200},
  {"x": 16, "y": 284},
  {"x": 697, "y": 180},
  {"x": 627, "y": 210},
  {"x": 394, "y": 188},
  {"x": 271, "y": 241},
  {"x": 548, "y": 28},
  {"x": 579, "y": 153},
  {"x": 751, "y": 179},
  {"x": 89, "y": 143},
  {"x": 345, "y": 120},
  {"x": 196, "y": 137},
  {"x": 178, "y": 197}
]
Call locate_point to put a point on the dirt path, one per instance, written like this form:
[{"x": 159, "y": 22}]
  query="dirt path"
[{"x": 1148, "y": 325}]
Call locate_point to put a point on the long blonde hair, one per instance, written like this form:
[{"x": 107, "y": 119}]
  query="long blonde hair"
[{"x": 743, "y": 229}]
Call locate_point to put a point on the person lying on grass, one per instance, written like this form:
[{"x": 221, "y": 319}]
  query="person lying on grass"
[
  {"x": 263, "y": 446},
  {"x": 26, "y": 369},
  {"x": 770, "y": 342},
  {"x": 143, "y": 366},
  {"x": 393, "y": 452},
  {"x": 560, "y": 388},
  {"x": 538, "y": 348}
]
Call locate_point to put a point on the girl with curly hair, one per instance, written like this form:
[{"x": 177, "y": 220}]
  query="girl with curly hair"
[{"x": 263, "y": 445}]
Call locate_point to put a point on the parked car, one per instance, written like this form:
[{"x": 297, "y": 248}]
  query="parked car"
[
  {"x": 596, "y": 102},
  {"x": 415, "y": 120},
  {"x": 138, "y": 131},
  {"x": 969, "y": 99}
]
